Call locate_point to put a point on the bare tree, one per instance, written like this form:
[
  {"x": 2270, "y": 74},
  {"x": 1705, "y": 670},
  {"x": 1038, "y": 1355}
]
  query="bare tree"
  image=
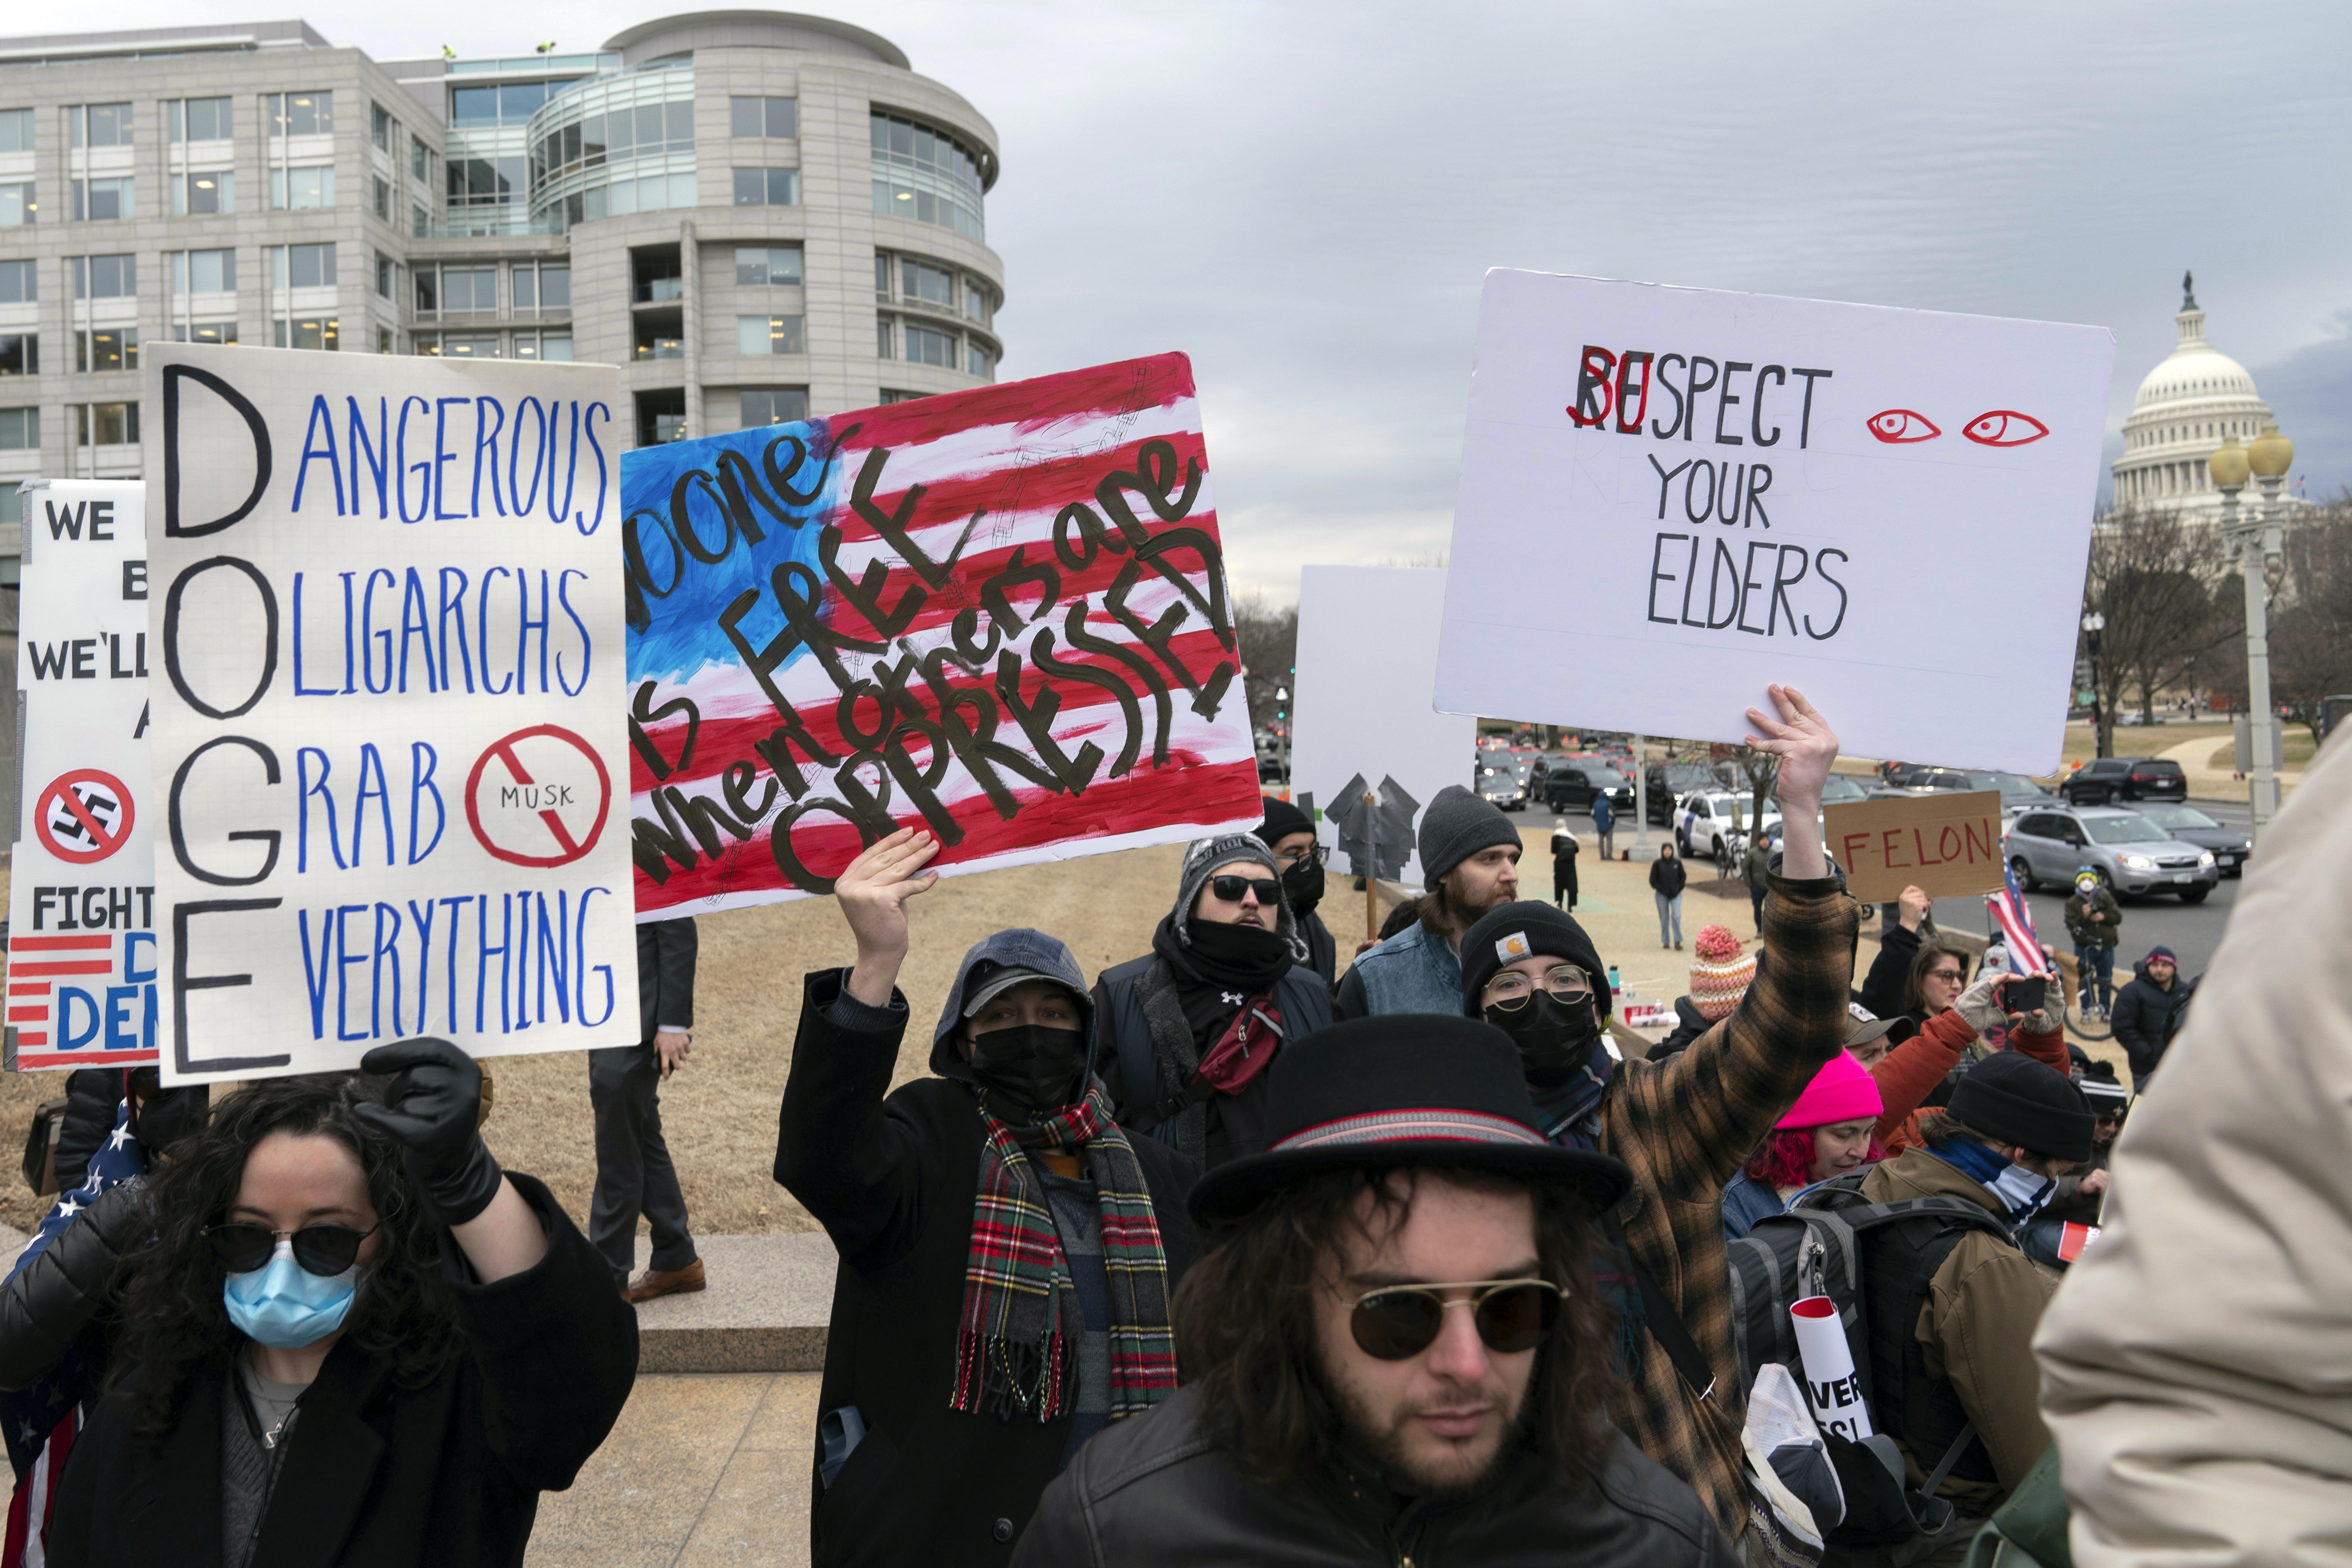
[
  {"x": 2311, "y": 629},
  {"x": 2158, "y": 582},
  {"x": 1269, "y": 650}
]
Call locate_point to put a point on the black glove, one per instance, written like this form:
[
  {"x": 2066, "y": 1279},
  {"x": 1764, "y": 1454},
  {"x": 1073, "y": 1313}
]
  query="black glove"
[{"x": 434, "y": 1107}]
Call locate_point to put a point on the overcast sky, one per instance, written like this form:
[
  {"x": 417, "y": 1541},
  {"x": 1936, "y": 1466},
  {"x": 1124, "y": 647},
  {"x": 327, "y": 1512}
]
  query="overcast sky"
[{"x": 1304, "y": 197}]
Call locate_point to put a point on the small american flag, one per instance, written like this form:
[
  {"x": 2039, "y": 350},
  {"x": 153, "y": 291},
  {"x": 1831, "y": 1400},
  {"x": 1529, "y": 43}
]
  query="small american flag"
[{"x": 2016, "y": 921}]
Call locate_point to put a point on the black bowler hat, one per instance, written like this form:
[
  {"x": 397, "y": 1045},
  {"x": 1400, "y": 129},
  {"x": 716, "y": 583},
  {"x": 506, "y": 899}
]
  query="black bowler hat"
[{"x": 1404, "y": 1089}]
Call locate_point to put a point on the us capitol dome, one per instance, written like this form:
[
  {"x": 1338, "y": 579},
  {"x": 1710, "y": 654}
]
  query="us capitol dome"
[{"x": 2193, "y": 400}]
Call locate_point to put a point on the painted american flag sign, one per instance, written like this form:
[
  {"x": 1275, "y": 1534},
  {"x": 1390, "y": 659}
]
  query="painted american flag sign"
[{"x": 1000, "y": 614}]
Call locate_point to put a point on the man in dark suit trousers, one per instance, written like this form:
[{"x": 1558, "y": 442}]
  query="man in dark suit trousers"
[{"x": 634, "y": 1172}]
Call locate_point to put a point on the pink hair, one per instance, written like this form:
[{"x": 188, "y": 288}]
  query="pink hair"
[{"x": 1785, "y": 1158}]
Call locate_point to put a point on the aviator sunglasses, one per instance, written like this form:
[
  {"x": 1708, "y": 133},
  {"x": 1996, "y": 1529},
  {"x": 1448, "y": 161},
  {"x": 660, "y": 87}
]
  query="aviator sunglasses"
[
  {"x": 326, "y": 1249},
  {"x": 1401, "y": 1320},
  {"x": 1231, "y": 889}
]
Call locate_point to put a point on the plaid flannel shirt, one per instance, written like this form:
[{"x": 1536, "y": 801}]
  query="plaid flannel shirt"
[{"x": 1685, "y": 1126}]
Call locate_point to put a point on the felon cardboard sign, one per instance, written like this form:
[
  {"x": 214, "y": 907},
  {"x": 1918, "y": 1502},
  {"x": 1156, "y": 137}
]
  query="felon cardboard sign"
[{"x": 1945, "y": 843}]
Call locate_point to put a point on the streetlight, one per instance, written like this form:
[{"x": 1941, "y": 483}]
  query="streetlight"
[
  {"x": 1282, "y": 694},
  {"x": 2093, "y": 624},
  {"x": 2254, "y": 544}
]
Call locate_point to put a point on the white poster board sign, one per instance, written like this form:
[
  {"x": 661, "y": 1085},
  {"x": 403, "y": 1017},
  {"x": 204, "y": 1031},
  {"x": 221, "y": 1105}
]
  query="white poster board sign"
[
  {"x": 81, "y": 891},
  {"x": 1366, "y": 639},
  {"x": 1721, "y": 491},
  {"x": 387, "y": 632}
]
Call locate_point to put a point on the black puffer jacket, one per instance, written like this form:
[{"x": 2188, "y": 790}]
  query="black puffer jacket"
[
  {"x": 1158, "y": 1491},
  {"x": 2140, "y": 1013},
  {"x": 62, "y": 1296},
  {"x": 1667, "y": 875}
]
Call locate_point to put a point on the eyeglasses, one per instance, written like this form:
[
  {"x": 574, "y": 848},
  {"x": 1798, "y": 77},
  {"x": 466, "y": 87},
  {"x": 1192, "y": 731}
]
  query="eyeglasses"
[
  {"x": 1231, "y": 889},
  {"x": 327, "y": 1250},
  {"x": 1512, "y": 990},
  {"x": 1313, "y": 852},
  {"x": 1948, "y": 976},
  {"x": 1402, "y": 1320}
]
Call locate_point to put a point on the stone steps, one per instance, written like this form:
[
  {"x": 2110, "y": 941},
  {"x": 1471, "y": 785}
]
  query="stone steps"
[{"x": 765, "y": 1309}]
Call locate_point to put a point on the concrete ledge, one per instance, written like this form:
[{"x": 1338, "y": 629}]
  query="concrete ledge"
[{"x": 766, "y": 1309}]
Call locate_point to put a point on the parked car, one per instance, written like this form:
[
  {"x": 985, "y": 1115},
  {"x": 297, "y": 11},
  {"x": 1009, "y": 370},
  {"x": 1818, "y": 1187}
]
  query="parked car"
[
  {"x": 1666, "y": 783},
  {"x": 1572, "y": 784},
  {"x": 1708, "y": 818},
  {"x": 1502, "y": 781},
  {"x": 2017, "y": 792},
  {"x": 2107, "y": 779},
  {"x": 1269, "y": 771},
  {"x": 2230, "y": 847},
  {"x": 2130, "y": 853}
]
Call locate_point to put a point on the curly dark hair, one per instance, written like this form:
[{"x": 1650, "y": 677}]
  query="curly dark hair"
[
  {"x": 1244, "y": 1321},
  {"x": 174, "y": 1325}
]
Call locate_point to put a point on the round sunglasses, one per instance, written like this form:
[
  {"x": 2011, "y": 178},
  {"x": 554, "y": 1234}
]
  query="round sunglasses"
[
  {"x": 327, "y": 1250},
  {"x": 1399, "y": 1322}
]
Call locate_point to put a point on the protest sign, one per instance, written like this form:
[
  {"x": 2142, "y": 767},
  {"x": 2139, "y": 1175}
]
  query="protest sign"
[
  {"x": 81, "y": 891},
  {"x": 386, "y": 619},
  {"x": 1832, "y": 1385},
  {"x": 1367, "y": 641},
  {"x": 1711, "y": 491},
  {"x": 999, "y": 614},
  {"x": 1945, "y": 843}
]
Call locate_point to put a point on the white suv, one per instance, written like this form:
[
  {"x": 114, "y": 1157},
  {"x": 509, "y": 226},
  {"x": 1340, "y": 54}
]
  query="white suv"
[{"x": 1708, "y": 819}]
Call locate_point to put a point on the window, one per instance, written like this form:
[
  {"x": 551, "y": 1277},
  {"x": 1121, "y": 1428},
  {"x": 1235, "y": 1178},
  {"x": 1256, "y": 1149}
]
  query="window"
[
  {"x": 926, "y": 175},
  {"x": 300, "y": 113},
  {"x": 99, "y": 124},
  {"x": 203, "y": 273},
  {"x": 17, "y": 207},
  {"x": 309, "y": 185},
  {"x": 767, "y": 264},
  {"x": 306, "y": 333},
  {"x": 659, "y": 343},
  {"x": 202, "y": 192},
  {"x": 20, "y": 283},
  {"x": 470, "y": 288},
  {"x": 428, "y": 289},
  {"x": 102, "y": 201},
  {"x": 555, "y": 346},
  {"x": 106, "y": 424},
  {"x": 20, "y": 353},
  {"x": 487, "y": 182},
  {"x": 661, "y": 417},
  {"x": 881, "y": 276},
  {"x": 20, "y": 429},
  {"x": 768, "y": 335},
  {"x": 417, "y": 223},
  {"x": 15, "y": 130},
  {"x": 767, "y": 187},
  {"x": 760, "y": 117},
  {"x": 104, "y": 277},
  {"x": 419, "y": 169},
  {"x": 927, "y": 347},
  {"x": 382, "y": 276},
  {"x": 198, "y": 119},
  {"x": 979, "y": 302},
  {"x": 379, "y": 127},
  {"x": 383, "y": 202},
  {"x": 205, "y": 333},
  {"x": 302, "y": 266},
  {"x": 920, "y": 281},
  {"x": 771, "y": 404},
  {"x": 512, "y": 104},
  {"x": 478, "y": 345},
  {"x": 899, "y": 394},
  {"x": 526, "y": 288},
  {"x": 107, "y": 348},
  {"x": 554, "y": 289},
  {"x": 979, "y": 361},
  {"x": 882, "y": 337}
]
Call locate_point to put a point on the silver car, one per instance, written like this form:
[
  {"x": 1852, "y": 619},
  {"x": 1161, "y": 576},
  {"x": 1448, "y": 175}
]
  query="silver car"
[{"x": 2131, "y": 853}]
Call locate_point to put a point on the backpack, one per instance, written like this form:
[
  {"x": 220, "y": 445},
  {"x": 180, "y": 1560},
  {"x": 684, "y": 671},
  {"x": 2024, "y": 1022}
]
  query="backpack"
[{"x": 1875, "y": 1262}]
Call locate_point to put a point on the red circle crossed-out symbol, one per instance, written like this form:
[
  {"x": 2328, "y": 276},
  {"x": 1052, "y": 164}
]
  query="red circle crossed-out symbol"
[
  {"x": 568, "y": 850},
  {"x": 96, "y": 817}
]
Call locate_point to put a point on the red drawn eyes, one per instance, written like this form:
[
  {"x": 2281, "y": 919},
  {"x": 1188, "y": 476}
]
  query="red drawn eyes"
[
  {"x": 1900, "y": 424},
  {"x": 2002, "y": 427},
  {"x": 2005, "y": 427}
]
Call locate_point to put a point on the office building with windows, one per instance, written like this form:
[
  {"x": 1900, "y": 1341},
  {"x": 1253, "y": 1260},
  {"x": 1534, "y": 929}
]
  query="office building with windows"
[{"x": 755, "y": 215}]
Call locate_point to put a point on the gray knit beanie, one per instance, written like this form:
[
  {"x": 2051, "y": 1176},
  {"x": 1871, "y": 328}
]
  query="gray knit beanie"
[
  {"x": 1202, "y": 858},
  {"x": 1456, "y": 826}
]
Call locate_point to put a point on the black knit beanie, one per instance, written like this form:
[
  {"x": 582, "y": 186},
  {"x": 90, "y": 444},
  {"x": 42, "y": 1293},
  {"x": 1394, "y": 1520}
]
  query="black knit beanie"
[
  {"x": 2017, "y": 1100},
  {"x": 1456, "y": 826},
  {"x": 1519, "y": 931},
  {"x": 1283, "y": 819}
]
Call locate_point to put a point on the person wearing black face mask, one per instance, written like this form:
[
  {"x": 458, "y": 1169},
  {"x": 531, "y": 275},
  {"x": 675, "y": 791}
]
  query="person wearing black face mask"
[
  {"x": 1007, "y": 1252},
  {"x": 1188, "y": 1029},
  {"x": 1290, "y": 834}
]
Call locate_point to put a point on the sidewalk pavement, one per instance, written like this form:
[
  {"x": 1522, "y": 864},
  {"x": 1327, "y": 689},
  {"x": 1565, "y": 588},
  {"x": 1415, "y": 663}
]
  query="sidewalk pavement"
[{"x": 2207, "y": 782}]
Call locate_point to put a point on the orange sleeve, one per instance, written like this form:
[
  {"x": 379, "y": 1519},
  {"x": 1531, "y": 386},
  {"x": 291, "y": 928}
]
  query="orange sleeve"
[
  {"x": 1913, "y": 1070},
  {"x": 2049, "y": 1049}
]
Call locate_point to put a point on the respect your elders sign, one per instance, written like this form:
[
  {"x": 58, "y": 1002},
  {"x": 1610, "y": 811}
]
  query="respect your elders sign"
[
  {"x": 386, "y": 617},
  {"x": 1945, "y": 845},
  {"x": 1715, "y": 491}
]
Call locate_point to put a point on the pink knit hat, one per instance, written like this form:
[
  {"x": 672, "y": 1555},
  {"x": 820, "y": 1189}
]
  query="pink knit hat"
[{"x": 1843, "y": 1090}]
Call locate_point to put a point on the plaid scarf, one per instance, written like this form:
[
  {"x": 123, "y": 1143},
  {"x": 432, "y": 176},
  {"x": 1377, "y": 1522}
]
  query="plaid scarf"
[{"x": 1016, "y": 1350}]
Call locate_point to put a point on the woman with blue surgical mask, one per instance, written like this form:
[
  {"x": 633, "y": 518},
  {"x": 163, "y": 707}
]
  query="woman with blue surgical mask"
[{"x": 351, "y": 1337}]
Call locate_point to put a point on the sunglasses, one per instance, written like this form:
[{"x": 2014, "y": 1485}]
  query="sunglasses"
[
  {"x": 326, "y": 1249},
  {"x": 1401, "y": 1320},
  {"x": 1231, "y": 889},
  {"x": 1948, "y": 976},
  {"x": 1515, "y": 990}
]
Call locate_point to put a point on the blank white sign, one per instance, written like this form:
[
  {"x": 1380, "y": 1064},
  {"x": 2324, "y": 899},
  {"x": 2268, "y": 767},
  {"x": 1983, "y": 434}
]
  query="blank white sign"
[{"x": 1709, "y": 492}]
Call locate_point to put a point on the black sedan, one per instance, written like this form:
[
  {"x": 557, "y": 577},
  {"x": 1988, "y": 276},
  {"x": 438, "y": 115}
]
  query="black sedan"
[{"x": 2230, "y": 847}]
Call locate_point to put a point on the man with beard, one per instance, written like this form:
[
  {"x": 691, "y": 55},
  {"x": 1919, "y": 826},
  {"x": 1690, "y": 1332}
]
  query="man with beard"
[
  {"x": 1685, "y": 1125},
  {"x": 1007, "y": 1253},
  {"x": 1290, "y": 834},
  {"x": 1336, "y": 1409},
  {"x": 1469, "y": 861},
  {"x": 1188, "y": 1030}
]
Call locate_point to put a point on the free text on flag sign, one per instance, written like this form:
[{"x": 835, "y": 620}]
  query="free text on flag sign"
[{"x": 999, "y": 614}]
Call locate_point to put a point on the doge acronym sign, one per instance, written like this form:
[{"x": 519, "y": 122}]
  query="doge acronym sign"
[
  {"x": 388, "y": 713},
  {"x": 1672, "y": 497}
]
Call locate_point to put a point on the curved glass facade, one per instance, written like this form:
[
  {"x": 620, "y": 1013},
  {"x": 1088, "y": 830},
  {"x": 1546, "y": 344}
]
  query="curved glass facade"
[
  {"x": 927, "y": 175},
  {"x": 614, "y": 145}
]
